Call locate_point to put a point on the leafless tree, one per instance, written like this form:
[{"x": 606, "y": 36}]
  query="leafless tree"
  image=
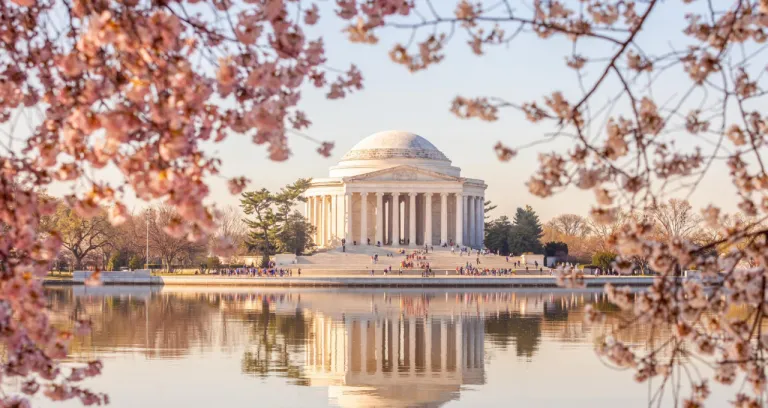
[
  {"x": 601, "y": 233},
  {"x": 571, "y": 225},
  {"x": 82, "y": 237},
  {"x": 675, "y": 219},
  {"x": 232, "y": 228},
  {"x": 168, "y": 248}
]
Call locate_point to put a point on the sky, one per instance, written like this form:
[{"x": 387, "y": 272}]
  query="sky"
[{"x": 395, "y": 99}]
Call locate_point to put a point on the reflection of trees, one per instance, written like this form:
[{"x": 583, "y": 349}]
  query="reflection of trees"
[
  {"x": 278, "y": 339},
  {"x": 173, "y": 324},
  {"x": 502, "y": 328},
  {"x": 555, "y": 311},
  {"x": 160, "y": 325}
]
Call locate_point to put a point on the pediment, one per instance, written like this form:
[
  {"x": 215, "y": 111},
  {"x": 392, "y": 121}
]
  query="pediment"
[{"x": 402, "y": 173}]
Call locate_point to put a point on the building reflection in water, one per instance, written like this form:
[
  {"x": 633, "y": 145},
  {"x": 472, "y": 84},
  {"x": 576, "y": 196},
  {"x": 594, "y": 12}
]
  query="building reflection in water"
[
  {"x": 369, "y": 347},
  {"x": 400, "y": 361}
]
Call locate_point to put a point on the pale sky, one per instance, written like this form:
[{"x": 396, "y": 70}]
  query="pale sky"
[{"x": 395, "y": 99}]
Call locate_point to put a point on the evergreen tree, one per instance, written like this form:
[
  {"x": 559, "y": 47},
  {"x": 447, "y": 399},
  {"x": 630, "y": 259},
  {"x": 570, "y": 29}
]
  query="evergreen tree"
[
  {"x": 488, "y": 206},
  {"x": 526, "y": 232},
  {"x": 296, "y": 235},
  {"x": 269, "y": 215},
  {"x": 497, "y": 234}
]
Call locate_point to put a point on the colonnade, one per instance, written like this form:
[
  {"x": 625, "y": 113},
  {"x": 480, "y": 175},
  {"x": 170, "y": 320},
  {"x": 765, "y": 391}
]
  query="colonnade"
[
  {"x": 404, "y": 346},
  {"x": 397, "y": 218}
]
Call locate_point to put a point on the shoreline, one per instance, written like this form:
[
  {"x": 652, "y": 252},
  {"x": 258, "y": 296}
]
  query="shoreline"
[{"x": 361, "y": 281}]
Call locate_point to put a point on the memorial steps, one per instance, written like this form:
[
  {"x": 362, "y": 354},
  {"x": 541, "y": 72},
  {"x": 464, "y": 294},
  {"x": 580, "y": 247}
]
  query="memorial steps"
[{"x": 358, "y": 258}]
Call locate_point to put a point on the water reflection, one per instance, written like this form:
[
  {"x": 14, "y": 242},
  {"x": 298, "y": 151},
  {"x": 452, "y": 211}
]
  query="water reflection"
[
  {"x": 367, "y": 347},
  {"x": 400, "y": 361}
]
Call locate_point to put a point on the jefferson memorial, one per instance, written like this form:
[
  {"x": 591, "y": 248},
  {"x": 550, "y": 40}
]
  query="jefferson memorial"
[{"x": 396, "y": 188}]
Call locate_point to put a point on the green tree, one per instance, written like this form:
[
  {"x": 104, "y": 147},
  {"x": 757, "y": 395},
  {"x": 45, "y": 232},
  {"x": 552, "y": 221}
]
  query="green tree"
[
  {"x": 269, "y": 212},
  {"x": 526, "y": 232},
  {"x": 135, "y": 262},
  {"x": 603, "y": 260},
  {"x": 296, "y": 234},
  {"x": 116, "y": 261},
  {"x": 488, "y": 206},
  {"x": 497, "y": 234}
]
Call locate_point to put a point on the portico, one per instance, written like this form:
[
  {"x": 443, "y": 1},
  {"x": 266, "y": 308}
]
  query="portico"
[{"x": 396, "y": 188}]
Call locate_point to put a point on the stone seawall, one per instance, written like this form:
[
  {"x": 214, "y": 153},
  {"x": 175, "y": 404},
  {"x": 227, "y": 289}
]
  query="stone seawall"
[
  {"x": 391, "y": 281},
  {"x": 115, "y": 278},
  {"x": 137, "y": 277}
]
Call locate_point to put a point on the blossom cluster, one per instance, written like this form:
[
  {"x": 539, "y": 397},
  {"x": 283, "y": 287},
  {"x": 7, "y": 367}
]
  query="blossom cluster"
[{"x": 136, "y": 87}]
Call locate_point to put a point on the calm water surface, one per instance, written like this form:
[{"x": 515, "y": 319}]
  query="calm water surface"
[{"x": 198, "y": 347}]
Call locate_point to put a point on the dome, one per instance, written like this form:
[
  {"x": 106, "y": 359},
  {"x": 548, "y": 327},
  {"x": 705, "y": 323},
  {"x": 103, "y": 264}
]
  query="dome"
[
  {"x": 393, "y": 148},
  {"x": 394, "y": 144}
]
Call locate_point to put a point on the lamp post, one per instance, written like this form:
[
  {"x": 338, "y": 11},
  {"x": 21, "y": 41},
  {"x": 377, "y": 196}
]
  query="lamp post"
[{"x": 146, "y": 265}]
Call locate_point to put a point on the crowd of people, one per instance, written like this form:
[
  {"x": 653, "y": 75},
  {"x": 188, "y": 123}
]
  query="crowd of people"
[
  {"x": 253, "y": 272},
  {"x": 416, "y": 259},
  {"x": 470, "y": 270},
  {"x": 469, "y": 251}
]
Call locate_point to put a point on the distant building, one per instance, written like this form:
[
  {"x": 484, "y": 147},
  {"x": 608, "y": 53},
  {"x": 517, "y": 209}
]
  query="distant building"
[{"x": 396, "y": 188}]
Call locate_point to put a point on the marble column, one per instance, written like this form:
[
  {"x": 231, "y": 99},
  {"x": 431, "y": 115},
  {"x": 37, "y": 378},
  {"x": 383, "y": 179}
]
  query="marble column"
[
  {"x": 465, "y": 222},
  {"x": 459, "y": 220},
  {"x": 396, "y": 218},
  {"x": 443, "y": 218},
  {"x": 471, "y": 220},
  {"x": 481, "y": 220},
  {"x": 311, "y": 211},
  {"x": 412, "y": 218},
  {"x": 334, "y": 232},
  {"x": 364, "y": 218},
  {"x": 428, "y": 219},
  {"x": 316, "y": 204},
  {"x": 388, "y": 227},
  {"x": 347, "y": 217},
  {"x": 480, "y": 225},
  {"x": 379, "y": 217},
  {"x": 323, "y": 221}
]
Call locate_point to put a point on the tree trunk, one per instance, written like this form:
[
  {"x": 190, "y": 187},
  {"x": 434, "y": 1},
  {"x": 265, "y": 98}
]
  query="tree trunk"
[
  {"x": 265, "y": 260},
  {"x": 78, "y": 261},
  {"x": 167, "y": 262},
  {"x": 265, "y": 253}
]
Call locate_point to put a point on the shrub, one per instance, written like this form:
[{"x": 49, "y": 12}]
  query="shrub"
[
  {"x": 603, "y": 260},
  {"x": 135, "y": 262}
]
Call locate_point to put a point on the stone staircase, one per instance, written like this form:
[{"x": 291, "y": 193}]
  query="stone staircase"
[{"x": 358, "y": 258}]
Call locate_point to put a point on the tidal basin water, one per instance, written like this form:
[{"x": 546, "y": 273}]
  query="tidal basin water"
[{"x": 250, "y": 347}]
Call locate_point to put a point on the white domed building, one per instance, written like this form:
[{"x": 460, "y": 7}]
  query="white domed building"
[{"x": 396, "y": 188}]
